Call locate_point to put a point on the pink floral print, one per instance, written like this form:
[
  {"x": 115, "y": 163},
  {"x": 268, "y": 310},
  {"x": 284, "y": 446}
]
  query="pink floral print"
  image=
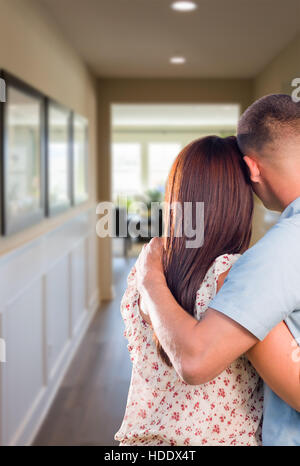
[{"x": 163, "y": 410}]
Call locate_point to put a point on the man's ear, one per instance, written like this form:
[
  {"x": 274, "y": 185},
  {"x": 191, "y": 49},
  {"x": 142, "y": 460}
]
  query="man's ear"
[{"x": 254, "y": 169}]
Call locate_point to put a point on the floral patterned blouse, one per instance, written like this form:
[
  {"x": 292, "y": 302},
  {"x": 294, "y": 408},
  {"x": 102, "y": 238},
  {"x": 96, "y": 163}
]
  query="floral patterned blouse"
[{"x": 163, "y": 410}]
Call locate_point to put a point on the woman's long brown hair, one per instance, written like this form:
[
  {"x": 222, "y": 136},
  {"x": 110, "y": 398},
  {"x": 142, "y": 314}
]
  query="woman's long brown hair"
[{"x": 209, "y": 170}]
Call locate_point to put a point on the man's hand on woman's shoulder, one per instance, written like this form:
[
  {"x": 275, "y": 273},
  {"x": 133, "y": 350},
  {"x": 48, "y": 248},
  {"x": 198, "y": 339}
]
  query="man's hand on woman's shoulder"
[{"x": 149, "y": 268}]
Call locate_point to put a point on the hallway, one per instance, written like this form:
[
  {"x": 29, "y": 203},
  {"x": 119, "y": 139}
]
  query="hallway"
[
  {"x": 97, "y": 98},
  {"x": 90, "y": 403}
]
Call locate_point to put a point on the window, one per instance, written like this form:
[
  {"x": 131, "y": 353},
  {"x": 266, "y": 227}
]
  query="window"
[
  {"x": 80, "y": 159},
  {"x": 59, "y": 195},
  {"x": 127, "y": 176},
  {"x": 43, "y": 156},
  {"x": 23, "y": 199},
  {"x": 160, "y": 159}
]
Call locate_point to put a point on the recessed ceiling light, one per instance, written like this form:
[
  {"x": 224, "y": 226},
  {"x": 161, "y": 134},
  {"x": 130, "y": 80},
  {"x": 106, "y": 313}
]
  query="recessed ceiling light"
[
  {"x": 177, "y": 60},
  {"x": 184, "y": 6}
]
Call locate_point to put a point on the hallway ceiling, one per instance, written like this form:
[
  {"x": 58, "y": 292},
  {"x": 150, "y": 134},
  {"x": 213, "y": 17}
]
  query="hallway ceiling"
[{"x": 136, "y": 38}]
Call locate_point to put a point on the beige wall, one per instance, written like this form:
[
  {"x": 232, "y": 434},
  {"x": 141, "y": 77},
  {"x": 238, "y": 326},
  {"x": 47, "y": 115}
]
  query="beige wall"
[
  {"x": 33, "y": 49},
  {"x": 276, "y": 77}
]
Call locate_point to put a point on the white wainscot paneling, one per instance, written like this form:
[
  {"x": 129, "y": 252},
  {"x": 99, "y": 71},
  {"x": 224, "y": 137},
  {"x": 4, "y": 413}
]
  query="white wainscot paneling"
[
  {"x": 78, "y": 286},
  {"x": 92, "y": 272},
  {"x": 57, "y": 291},
  {"x": 48, "y": 296},
  {"x": 23, "y": 376}
]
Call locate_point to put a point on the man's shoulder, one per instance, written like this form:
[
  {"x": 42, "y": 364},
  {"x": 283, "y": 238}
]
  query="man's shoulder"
[
  {"x": 290, "y": 222},
  {"x": 280, "y": 243},
  {"x": 284, "y": 234}
]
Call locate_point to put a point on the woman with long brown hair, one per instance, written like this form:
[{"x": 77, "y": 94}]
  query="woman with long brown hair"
[{"x": 161, "y": 408}]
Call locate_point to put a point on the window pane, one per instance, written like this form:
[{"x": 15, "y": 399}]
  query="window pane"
[
  {"x": 126, "y": 168},
  {"x": 80, "y": 159},
  {"x": 58, "y": 156},
  {"x": 161, "y": 157},
  {"x": 23, "y": 156}
]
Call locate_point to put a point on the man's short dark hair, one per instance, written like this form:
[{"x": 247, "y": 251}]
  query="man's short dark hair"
[{"x": 266, "y": 120}]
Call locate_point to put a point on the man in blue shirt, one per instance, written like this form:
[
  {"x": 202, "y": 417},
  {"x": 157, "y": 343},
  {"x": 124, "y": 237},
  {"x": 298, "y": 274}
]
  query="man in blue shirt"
[{"x": 262, "y": 288}]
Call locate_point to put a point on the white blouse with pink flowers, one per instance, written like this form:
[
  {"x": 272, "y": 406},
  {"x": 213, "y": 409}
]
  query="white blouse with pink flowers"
[{"x": 163, "y": 410}]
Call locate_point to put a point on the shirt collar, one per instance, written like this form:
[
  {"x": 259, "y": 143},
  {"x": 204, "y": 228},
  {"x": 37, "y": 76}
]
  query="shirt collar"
[{"x": 292, "y": 209}]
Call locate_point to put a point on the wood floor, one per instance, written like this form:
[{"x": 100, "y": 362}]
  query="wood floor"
[{"x": 90, "y": 403}]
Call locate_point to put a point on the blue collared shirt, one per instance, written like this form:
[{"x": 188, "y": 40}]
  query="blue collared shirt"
[{"x": 261, "y": 290}]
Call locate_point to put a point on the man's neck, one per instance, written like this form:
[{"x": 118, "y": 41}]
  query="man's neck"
[{"x": 287, "y": 199}]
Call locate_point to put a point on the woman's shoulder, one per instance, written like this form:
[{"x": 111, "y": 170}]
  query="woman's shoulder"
[
  {"x": 209, "y": 286},
  {"x": 224, "y": 262}
]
